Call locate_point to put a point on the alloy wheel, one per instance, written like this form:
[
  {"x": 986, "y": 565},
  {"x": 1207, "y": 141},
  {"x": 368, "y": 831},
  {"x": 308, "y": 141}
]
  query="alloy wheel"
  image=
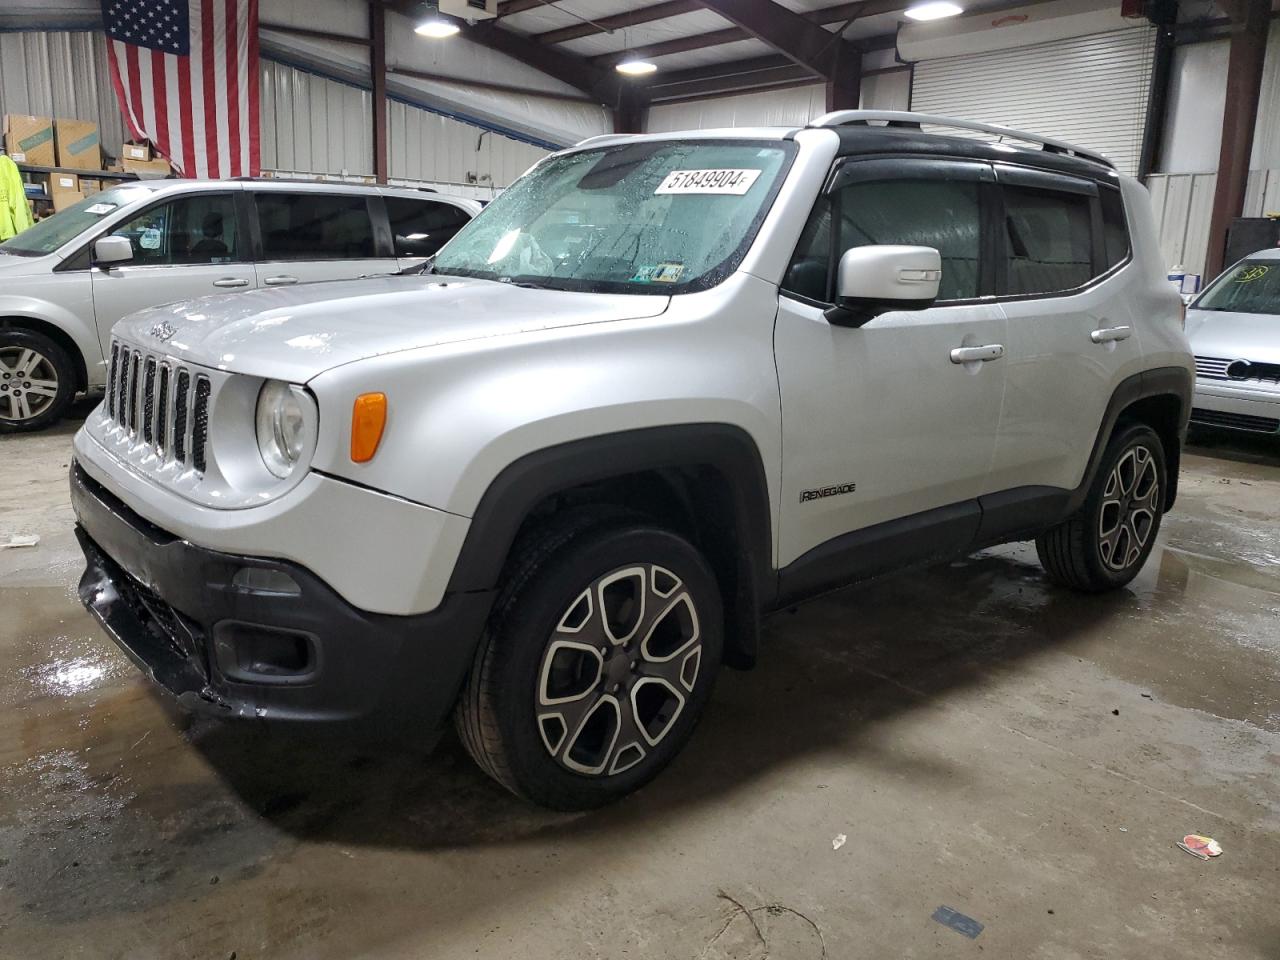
[
  {"x": 1130, "y": 505},
  {"x": 28, "y": 383},
  {"x": 618, "y": 670}
]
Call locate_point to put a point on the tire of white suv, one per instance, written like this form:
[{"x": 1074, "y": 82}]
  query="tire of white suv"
[
  {"x": 597, "y": 662},
  {"x": 1106, "y": 542},
  {"x": 37, "y": 380}
]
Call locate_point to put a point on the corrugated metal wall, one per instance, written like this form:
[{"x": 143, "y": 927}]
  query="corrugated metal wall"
[
  {"x": 453, "y": 156},
  {"x": 311, "y": 124},
  {"x": 1183, "y": 203},
  {"x": 1087, "y": 90},
  {"x": 62, "y": 74},
  {"x": 786, "y": 107}
]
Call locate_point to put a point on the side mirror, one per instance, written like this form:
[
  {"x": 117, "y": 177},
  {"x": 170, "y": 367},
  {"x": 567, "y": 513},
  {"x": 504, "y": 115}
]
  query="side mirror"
[
  {"x": 111, "y": 250},
  {"x": 876, "y": 279}
]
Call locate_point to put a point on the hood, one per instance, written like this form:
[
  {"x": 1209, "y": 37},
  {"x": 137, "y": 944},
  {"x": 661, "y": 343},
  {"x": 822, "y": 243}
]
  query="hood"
[
  {"x": 296, "y": 333},
  {"x": 1234, "y": 336},
  {"x": 12, "y": 266}
]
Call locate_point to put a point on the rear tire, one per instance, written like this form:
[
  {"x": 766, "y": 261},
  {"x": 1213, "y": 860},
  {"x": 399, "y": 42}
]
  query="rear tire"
[
  {"x": 596, "y": 664},
  {"x": 1105, "y": 543},
  {"x": 37, "y": 380}
]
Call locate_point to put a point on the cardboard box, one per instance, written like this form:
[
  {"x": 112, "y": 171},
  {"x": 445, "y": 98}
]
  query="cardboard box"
[
  {"x": 147, "y": 169},
  {"x": 135, "y": 151},
  {"x": 64, "y": 189},
  {"x": 29, "y": 139},
  {"x": 89, "y": 187},
  {"x": 79, "y": 146}
]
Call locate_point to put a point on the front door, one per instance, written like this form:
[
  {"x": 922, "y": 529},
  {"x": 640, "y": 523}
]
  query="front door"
[
  {"x": 190, "y": 247},
  {"x": 879, "y": 422}
]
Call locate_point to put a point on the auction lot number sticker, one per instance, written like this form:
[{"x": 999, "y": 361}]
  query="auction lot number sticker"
[{"x": 733, "y": 182}]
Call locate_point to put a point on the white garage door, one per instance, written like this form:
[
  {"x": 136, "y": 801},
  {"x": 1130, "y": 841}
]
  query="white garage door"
[{"x": 1087, "y": 90}]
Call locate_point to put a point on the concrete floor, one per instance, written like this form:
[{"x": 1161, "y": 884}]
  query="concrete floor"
[{"x": 987, "y": 742}]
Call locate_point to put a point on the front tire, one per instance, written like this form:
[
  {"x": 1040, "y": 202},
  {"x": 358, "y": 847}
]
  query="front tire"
[
  {"x": 37, "y": 380},
  {"x": 596, "y": 664},
  {"x": 1106, "y": 542}
]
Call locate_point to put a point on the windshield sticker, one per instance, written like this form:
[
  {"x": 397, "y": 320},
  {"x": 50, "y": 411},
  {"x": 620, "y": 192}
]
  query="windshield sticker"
[
  {"x": 662, "y": 273},
  {"x": 150, "y": 239},
  {"x": 100, "y": 209},
  {"x": 732, "y": 182},
  {"x": 1250, "y": 274}
]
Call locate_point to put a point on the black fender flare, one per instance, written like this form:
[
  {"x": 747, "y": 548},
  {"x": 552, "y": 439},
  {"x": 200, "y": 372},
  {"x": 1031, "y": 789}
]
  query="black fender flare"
[
  {"x": 724, "y": 448},
  {"x": 1157, "y": 382}
]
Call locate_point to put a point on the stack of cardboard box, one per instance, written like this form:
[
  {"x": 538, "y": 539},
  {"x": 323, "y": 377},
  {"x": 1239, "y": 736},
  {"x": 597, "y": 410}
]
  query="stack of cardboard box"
[{"x": 75, "y": 146}]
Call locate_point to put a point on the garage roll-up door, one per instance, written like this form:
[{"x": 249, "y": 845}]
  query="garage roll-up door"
[{"x": 1088, "y": 90}]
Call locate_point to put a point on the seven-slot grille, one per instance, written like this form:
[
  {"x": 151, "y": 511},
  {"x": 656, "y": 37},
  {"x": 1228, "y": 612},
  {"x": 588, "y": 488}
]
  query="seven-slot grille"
[
  {"x": 1212, "y": 368},
  {"x": 160, "y": 401}
]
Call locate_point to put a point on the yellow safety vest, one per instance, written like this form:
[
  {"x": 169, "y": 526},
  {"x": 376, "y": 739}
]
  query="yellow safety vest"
[{"x": 15, "y": 212}]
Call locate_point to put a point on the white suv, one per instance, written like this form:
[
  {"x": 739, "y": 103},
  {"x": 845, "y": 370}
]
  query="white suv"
[
  {"x": 663, "y": 385},
  {"x": 67, "y": 280}
]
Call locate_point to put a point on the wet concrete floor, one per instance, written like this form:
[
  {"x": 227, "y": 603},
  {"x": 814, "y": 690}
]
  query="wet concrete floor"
[{"x": 987, "y": 742}]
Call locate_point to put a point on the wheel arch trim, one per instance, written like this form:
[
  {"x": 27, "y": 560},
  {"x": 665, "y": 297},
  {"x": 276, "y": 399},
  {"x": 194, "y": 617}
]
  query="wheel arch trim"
[{"x": 724, "y": 448}]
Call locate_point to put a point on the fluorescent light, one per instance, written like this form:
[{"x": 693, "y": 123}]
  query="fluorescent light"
[
  {"x": 634, "y": 67},
  {"x": 436, "y": 29},
  {"x": 934, "y": 10}
]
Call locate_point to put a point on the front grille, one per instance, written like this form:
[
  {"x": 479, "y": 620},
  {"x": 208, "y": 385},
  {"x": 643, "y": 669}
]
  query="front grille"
[
  {"x": 1212, "y": 368},
  {"x": 1236, "y": 421},
  {"x": 161, "y": 402},
  {"x": 1217, "y": 368}
]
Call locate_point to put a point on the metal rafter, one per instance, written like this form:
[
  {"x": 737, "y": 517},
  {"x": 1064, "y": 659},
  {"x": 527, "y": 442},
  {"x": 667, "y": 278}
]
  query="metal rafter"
[
  {"x": 803, "y": 41},
  {"x": 618, "y": 21}
]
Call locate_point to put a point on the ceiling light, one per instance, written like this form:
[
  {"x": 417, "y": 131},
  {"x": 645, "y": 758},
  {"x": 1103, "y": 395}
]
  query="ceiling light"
[
  {"x": 436, "y": 28},
  {"x": 635, "y": 67},
  {"x": 934, "y": 10}
]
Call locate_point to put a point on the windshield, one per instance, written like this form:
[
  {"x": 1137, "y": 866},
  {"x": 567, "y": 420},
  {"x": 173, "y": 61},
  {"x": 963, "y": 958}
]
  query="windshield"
[
  {"x": 1251, "y": 286},
  {"x": 63, "y": 227},
  {"x": 657, "y": 217}
]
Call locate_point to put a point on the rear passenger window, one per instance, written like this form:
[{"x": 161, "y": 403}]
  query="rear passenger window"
[
  {"x": 1048, "y": 240},
  {"x": 421, "y": 227},
  {"x": 1115, "y": 231},
  {"x": 926, "y": 213},
  {"x": 314, "y": 226}
]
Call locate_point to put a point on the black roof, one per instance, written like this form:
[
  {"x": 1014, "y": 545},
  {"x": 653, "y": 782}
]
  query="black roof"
[{"x": 858, "y": 139}]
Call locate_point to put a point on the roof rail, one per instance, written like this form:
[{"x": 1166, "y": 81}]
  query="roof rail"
[{"x": 901, "y": 118}]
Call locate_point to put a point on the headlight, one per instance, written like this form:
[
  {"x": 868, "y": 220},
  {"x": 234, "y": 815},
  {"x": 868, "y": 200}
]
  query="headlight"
[{"x": 282, "y": 427}]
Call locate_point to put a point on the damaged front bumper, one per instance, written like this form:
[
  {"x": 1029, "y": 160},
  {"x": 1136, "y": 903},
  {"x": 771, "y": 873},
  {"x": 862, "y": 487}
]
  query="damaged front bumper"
[{"x": 237, "y": 636}]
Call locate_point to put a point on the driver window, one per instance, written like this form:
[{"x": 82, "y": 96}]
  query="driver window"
[
  {"x": 926, "y": 213},
  {"x": 197, "y": 229}
]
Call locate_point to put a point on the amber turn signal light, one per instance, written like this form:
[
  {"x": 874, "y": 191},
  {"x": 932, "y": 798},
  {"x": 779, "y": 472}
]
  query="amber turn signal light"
[{"x": 368, "y": 417}]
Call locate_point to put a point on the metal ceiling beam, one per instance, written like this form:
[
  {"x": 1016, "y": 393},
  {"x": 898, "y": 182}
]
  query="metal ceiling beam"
[
  {"x": 804, "y": 41},
  {"x": 839, "y": 13},
  {"x": 508, "y": 7},
  {"x": 658, "y": 11},
  {"x": 765, "y": 73},
  {"x": 599, "y": 83}
]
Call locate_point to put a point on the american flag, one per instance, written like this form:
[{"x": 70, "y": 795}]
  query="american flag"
[{"x": 186, "y": 75}]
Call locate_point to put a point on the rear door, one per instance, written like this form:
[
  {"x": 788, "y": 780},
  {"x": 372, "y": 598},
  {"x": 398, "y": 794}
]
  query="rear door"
[
  {"x": 309, "y": 235},
  {"x": 421, "y": 226},
  {"x": 191, "y": 246},
  {"x": 1072, "y": 336}
]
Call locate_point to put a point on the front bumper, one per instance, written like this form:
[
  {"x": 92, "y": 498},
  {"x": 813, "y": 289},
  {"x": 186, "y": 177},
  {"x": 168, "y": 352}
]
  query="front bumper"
[
  {"x": 1248, "y": 408},
  {"x": 277, "y": 643}
]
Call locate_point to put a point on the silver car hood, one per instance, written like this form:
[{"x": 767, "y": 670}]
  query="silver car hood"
[
  {"x": 1234, "y": 336},
  {"x": 296, "y": 333}
]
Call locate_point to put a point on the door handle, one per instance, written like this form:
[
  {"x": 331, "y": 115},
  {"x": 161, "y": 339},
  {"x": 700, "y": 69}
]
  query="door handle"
[
  {"x": 1109, "y": 334},
  {"x": 991, "y": 351},
  {"x": 281, "y": 281},
  {"x": 231, "y": 282}
]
